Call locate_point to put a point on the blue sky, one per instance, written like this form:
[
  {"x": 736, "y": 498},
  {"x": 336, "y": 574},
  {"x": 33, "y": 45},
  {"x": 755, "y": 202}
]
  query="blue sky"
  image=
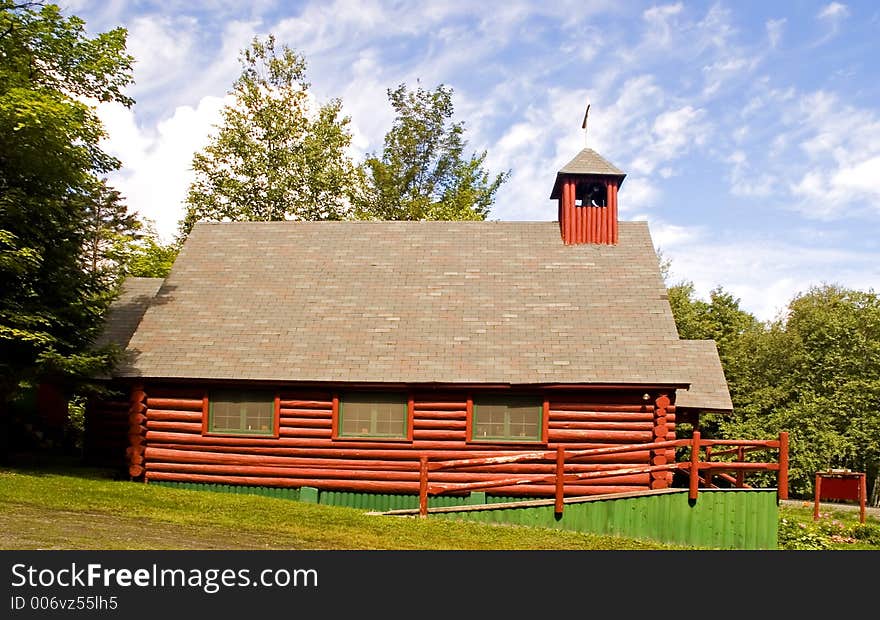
[{"x": 750, "y": 131}]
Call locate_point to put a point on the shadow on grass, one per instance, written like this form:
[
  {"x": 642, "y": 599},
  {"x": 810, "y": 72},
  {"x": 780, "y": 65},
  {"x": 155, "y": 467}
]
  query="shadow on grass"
[{"x": 37, "y": 463}]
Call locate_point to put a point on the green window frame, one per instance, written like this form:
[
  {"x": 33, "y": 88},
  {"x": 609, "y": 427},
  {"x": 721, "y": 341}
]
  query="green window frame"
[
  {"x": 242, "y": 412},
  {"x": 508, "y": 418},
  {"x": 378, "y": 415}
]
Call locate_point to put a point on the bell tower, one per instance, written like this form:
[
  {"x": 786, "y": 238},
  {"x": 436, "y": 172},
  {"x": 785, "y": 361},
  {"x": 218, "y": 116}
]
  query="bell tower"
[{"x": 586, "y": 189}]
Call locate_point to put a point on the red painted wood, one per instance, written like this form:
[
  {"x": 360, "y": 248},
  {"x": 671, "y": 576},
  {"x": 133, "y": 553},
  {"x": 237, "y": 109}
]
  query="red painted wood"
[
  {"x": 817, "y": 492},
  {"x": 307, "y": 422},
  {"x": 863, "y": 496},
  {"x": 410, "y": 417},
  {"x": 559, "y": 405},
  {"x": 592, "y": 425},
  {"x": 420, "y": 424},
  {"x": 175, "y": 416},
  {"x": 613, "y": 215},
  {"x": 560, "y": 480},
  {"x": 180, "y": 427},
  {"x": 335, "y": 416},
  {"x": 307, "y": 413},
  {"x": 336, "y": 451},
  {"x": 600, "y": 435},
  {"x": 183, "y": 404},
  {"x": 782, "y": 477},
  {"x": 441, "y": 406},
  {"x": 423, "y": 486},
  {"x": 595, "y": 416},
  {"x": 305, "y": 404},
  {"x": 694, "y": 477},
  {"x": 591, "y": 215},
  {"x": 545, "y": 421}
]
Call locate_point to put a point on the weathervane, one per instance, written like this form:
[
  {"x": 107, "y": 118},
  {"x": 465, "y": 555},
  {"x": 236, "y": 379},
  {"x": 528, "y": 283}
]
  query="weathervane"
[{"x": 584, "y": 124}]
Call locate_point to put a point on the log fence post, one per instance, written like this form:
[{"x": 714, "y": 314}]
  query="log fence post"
[
  {"x": 423, "y": 487},
  {"x": 740, "y": 475},
  {"x": 695, "y": 466},
  {"x": 560, "y": 479},
  {"x": 782, "y": 474}
]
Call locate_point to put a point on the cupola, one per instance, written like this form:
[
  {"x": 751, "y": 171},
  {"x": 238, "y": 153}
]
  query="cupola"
[{"x": 586, "y": 188}]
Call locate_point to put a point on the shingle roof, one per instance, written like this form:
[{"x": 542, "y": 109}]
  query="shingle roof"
[
  {"x": 587, "y": 161},
  {"x": 410, "y": 302},
  {"x": 708, "y": 390},
  {"x": 126, "y": 312}
]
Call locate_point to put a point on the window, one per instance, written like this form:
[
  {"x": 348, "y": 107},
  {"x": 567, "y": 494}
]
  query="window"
[
  {"x": 507, "y": 418},
  {"x": 370, "y": 414},
  {"x": 237, "y": 412}
]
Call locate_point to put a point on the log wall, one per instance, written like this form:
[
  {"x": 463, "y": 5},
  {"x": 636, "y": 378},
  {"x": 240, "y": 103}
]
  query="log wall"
[{"x": 305, "y": 453}]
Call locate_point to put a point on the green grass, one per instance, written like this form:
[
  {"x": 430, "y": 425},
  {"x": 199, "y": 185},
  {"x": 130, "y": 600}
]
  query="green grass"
[
  {"x": 836, "y": 529},
  {"x": 84, "y": 509}
]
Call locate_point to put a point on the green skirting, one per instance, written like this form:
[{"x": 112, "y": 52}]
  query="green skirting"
[{"x": 719, "y": 519}]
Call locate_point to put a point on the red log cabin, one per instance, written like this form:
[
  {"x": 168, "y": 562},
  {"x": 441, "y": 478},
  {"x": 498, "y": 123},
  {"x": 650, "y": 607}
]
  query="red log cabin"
[{"x": 336, "y": 355}]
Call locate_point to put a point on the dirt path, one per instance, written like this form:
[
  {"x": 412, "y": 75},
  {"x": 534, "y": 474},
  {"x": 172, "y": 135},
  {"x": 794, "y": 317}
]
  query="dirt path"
[{"x": 27, "y": 527}]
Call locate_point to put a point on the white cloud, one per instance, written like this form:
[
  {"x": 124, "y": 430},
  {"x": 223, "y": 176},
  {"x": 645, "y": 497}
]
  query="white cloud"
[
  {"x": 833, "y": 11},
  {"x": 774, "y": 29},
  {"x": 766, "y": 274},
  {"x": 156, "y": 163}
]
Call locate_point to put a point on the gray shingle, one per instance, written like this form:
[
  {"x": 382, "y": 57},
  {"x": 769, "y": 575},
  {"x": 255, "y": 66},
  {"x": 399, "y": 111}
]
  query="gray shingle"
[
  {"x": 127, "y": 310},
  {"x": 412, "y": 302}
]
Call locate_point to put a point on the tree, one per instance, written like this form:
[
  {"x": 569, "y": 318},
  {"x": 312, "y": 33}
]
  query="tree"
[
  {"x": 271, "y": 159},
  {"x": 147, "y": 257},
  {"x": 423, "y": 173},
  {"x": 50, "y": 168},
  {"x": 109, "y": 233}
]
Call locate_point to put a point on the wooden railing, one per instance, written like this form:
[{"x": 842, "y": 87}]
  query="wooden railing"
[{"x": 562, "y": 457}]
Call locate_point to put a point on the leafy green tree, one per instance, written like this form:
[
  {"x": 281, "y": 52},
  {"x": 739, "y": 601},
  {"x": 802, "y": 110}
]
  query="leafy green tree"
[
  {"x": 423, "y": 173},
  {"x": 272, "y": 158},
  {"x": 147, "y": 257},
  {"x": 50, "y": 168}
]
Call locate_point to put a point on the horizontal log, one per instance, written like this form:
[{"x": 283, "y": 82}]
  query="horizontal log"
[
  {"x": 575, "y": 406},
  {"x": 298, "y": 442},
  {"x": 137, "y": 419},
  {"x": 609, "y": 436},
  {"x": 306, "y": 404},
  {"x": 174, "y": 416},
  {"x": 182, "y": 404},
  {"x": 438, "y": 435},
  {"x": 598, "y": 416},
  {"x": 722, "y": 466},
  {"x": 593, "y": 425},
  {"x": 383, "y": 452},
  {"x": 411, "y": 464},
  {"x": 448, "y": 425},
  {"x": 766, "y": 443},
  {"x": 376, "y": 487},
  {"x": 306, "y": 413},
  {"x": 325, "y": 433},
  {"x": 380, "y": 475},
  {"x": 177, "y": 427},
  {"x": 135, "y": 471},
  {"x": 460, "y": 407},
  {"x": 305, "y": 422},
  {"x": 421, "y": 414}
]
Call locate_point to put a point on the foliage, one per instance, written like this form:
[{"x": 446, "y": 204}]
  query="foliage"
[
  {"x": 814, "y": 373},
  {"x": 147, "y": 257},
  {"x": 272, "y": 158},
  {"x": 109, "y": 232},
  {"x": 836, "y": 528},
  {"x": 50, "y": 169},
  {"x": 423, "y": 173}
]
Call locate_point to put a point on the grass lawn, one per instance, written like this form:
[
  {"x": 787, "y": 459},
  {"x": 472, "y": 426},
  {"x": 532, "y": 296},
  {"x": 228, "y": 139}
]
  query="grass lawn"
[
  {"x": 79, "y": 508},
  {"x": 84, "y": 509}
]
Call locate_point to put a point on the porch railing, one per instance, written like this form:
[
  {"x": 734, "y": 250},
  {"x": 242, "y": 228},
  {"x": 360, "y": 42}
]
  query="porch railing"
[{"x": 698, "y": 469}]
